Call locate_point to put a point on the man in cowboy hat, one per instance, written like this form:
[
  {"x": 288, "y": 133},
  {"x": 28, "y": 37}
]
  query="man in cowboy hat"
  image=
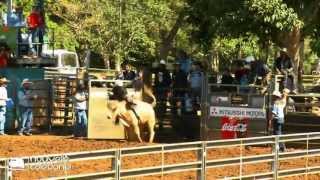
[
  {"x": 3, "y": 99},
  {"x": 80, "y": 101},
  {"x": 283, "y": 65},
  {"x": 278, "y": 115},
  {"x": 25, "y": 98}
]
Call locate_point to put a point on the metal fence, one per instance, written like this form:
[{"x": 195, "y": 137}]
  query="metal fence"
[{"x": 202, "y": 164}]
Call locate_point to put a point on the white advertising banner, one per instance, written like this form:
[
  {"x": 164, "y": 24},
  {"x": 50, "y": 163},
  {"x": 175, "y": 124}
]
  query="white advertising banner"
[{"x": 218, "y": 111}]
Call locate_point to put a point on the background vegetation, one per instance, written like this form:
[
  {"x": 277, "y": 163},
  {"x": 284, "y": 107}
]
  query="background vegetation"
[{"x": 216, "y": 31}]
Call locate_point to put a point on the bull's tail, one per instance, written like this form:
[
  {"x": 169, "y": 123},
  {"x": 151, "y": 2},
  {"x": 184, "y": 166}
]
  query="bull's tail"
[{"x": 119, "y": 120}]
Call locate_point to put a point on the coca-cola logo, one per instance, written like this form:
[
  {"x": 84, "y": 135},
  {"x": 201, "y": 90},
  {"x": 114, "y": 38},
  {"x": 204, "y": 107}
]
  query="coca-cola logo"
[
  {"x": 234, "y": 127},
  {"x": 228, "y": 127}
]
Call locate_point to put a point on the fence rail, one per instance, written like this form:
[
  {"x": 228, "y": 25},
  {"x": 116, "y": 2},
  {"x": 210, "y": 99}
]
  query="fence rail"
[{"x": 201, "y": 164}]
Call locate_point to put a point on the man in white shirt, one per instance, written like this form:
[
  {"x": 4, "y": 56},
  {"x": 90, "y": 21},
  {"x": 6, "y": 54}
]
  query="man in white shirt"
[
  {"x": 26, "y": 98},
  {"x": 3, "y": 99},
  {"x": 80, "y": 104}
]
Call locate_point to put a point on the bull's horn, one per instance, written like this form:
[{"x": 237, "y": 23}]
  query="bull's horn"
[{"x": 124, "y": 123}]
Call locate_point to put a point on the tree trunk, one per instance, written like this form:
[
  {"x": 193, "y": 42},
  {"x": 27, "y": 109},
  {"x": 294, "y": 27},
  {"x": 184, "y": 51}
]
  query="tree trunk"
[
  {"x": 166, "y": 44},
  {"x": 293, "y": 41}
]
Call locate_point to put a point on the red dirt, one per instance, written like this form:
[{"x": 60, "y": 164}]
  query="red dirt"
[{"x": 16, "y": 146}]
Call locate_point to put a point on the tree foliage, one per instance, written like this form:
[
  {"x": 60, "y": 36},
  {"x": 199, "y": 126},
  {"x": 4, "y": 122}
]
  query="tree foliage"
[
  {"x": 150, "y": 29},
  {"x": 133, "y": 33}
]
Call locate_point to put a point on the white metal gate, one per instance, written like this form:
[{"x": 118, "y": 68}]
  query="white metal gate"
[{"x": 202, "y": 163}]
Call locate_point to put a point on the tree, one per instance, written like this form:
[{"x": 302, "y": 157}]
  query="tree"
[{"x": 284, "y": 22}]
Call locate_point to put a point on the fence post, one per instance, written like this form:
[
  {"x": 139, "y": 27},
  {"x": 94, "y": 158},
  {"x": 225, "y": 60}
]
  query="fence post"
[
  {"x": 241, "y": 161},
  {"x": 116, "y": 164},
  {"x": 307, "y": 158},
  {"x": 276, "y": 156},
  {"x": 204, "y": 108},
  {"x": 2, "y": 170},
  {"x": 202, "y": 153},
  {"x": 6, "y": 172}
]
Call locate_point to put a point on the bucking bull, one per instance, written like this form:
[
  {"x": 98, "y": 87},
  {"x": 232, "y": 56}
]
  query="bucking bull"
[{"x": 141, "y": 113}]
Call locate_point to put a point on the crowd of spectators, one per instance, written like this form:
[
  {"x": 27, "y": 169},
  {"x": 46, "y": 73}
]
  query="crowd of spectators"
[{"x": 251, "y": 71}]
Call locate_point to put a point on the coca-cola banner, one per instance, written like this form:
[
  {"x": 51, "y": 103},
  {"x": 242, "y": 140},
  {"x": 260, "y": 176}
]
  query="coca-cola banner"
[
  {"x": 218, "y": 111},
  {"x": 232, "y": 127},
  {"x": 228, "y": 128}
]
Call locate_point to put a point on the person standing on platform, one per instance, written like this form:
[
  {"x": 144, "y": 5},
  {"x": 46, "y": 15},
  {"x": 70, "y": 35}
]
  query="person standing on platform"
[
  {"x": 284, "y": 66},
  {"x": 26, "y": 99},
  {"x": 126, "y": 73},
  {"x": 196, "y": 78},
  {"x": 162, "y": 85},
  {"x": 3, "y": 99},
  {"x": 35, "y": 22}
]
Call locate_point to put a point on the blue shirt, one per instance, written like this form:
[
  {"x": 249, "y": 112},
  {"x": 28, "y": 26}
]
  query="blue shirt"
[
  {"x": 185, "y": 65},
  {"x": 195, "y": 79},
  {"x": 14, "y": 19}
]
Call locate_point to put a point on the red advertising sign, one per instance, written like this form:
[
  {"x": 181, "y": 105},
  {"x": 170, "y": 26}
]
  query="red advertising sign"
[{"x": 233, "y": 127}]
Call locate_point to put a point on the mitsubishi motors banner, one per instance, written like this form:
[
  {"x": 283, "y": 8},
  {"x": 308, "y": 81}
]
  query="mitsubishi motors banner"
[
  {"x": 237, "y": 122},
  {"x": 218, "y": 111}
]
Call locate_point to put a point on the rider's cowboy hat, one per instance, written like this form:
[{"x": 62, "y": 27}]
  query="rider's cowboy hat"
[{"x": 4, "y": 80}]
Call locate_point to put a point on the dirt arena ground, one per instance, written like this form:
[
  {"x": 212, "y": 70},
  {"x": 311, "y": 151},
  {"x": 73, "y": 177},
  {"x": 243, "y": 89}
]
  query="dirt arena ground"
[{"x": 16, "y": 146}]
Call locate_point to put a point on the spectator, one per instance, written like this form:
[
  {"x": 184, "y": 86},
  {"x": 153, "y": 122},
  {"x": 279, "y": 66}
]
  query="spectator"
[
  {"x": 227, "y": 79},
  {"x": 179, "y": 86},
  {"x": 283, "y": 65},
  {"x": 195, "y": 79},
  {"x": 127, "y": 73},
  {"x": 179, "y": 81},
  {"x": 162, "y": 87},
  {"x": 3, "y": 99},
  {"x": 184, "y": 61},
  {"x": 162, "y": 79},
  {"x": 80, "y": 101},
  {"x": 259, "y": 71},
  {"x": 26, "y": 99},
  {"x": 240, "y": 72},
  {"x": 15, "y": 17},
  {"x": 35, "y": 22}
]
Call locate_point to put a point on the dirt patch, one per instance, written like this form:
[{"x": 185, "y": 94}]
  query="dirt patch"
[{"x": 16, "y": 146}]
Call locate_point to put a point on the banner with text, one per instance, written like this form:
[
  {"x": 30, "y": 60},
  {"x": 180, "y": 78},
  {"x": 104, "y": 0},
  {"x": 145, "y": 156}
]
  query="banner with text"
[{"x": 218, "y": 111}]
